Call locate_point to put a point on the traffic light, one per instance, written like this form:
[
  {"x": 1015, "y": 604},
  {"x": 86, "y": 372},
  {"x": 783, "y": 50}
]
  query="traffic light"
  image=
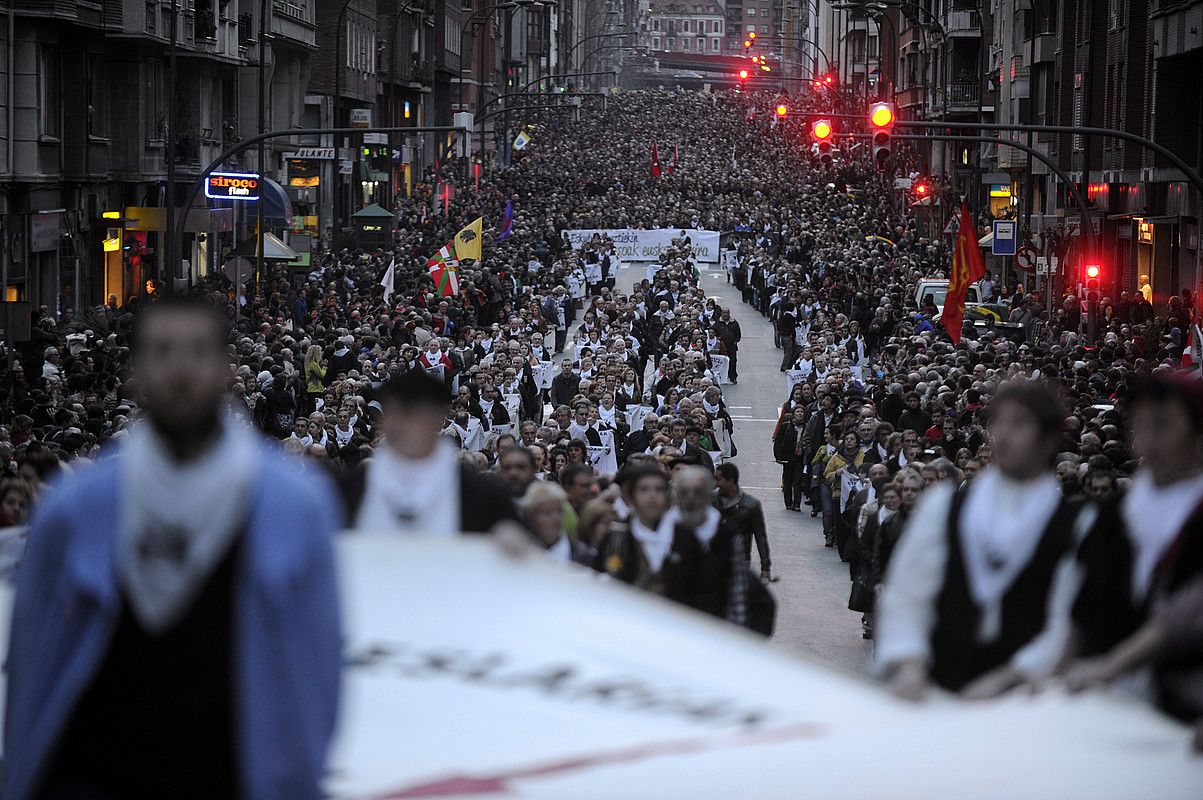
[
  {"x": 920, "y": 189},
  {"x": 829, "y": 80},
  {"x": 747, "y": 44},
  {"x": 822, "y": 131},
  {"x": 743, "y": 74},
  {"x": 752, "y": 35},
  {"x": 1093, "y": 274},
  {"x": 881, "y": 115},
  {"x": 782, "y": 111}
]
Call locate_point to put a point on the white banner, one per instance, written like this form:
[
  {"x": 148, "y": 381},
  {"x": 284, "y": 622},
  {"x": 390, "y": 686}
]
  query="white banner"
[
  {"x": 488, "y": 680},
  {"x": 638, "y": 245},
  {"x": 721, "y": 368}
]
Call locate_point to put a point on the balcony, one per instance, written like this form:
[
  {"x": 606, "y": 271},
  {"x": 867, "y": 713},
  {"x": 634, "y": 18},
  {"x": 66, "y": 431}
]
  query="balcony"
[
  {"x": 959, "y": 24},
  {"x": 962, "y": 95},
  {"x": 910, "y": 97}
]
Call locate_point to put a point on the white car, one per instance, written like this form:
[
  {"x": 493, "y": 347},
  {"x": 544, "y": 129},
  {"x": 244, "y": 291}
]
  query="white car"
[{"x": 938, "y": 289}]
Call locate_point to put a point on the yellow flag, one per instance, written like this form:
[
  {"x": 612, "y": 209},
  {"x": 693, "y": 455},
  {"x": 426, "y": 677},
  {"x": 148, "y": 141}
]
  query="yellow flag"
[{"x": 467, "y": 241}]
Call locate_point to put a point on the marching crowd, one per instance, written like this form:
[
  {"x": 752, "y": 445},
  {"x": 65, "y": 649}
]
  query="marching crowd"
[{"x": 992, "y": 538}]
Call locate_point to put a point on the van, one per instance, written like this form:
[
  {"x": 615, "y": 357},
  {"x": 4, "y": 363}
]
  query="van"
[{"x": 938, "y": 289}]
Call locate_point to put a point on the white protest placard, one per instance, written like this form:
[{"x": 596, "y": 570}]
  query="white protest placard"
[
  {"x": 436, "y": 371},
  {"x": 635, "y": 415},
  {"x": 721, "y": 367},
  {"x": 633, "y": 244},
  {"x": 513, "y": 402},
  {"x": 792, "y": 378},
  {"x": 544, "y": 373},
  {"x": 675, "y": 704}
]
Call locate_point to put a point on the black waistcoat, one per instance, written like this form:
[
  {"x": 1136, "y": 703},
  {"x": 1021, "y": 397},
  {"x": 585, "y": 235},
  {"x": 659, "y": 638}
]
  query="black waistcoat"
[
  {"x": 957, "y": 656},
  {"x": 158, "y": 718}
]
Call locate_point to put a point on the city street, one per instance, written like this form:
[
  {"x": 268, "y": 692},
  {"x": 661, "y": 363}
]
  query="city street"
[{"x": 812, "y": 595}]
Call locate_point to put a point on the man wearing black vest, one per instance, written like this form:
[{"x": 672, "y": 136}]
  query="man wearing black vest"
[{"x": 964, "y": 601}]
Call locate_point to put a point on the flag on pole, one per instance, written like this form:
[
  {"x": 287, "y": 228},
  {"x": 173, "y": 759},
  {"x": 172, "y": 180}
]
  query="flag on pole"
[
  {"x": 1192, "y": 354},
  {"x": 507, "y": 222},
  {"x": 467, "y": 241},
  {"x": 388, "y": 281},
  {"x": 441, "y": 267},
  {"x": 673, "y": 165},
  {"x": 655, "y": 161},
  {"x": 522, "y": 139},
  {"x": 968, "y": 267}
]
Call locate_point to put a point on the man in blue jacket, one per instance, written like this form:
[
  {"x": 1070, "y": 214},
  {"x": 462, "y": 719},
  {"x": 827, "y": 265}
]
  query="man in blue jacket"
[{"x": 176, "y": 627}]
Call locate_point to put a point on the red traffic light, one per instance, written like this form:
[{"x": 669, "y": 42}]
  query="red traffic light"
[
  {"x": 829, "y": 80},
  {"x": 921, "y": 189},
  {"x": 782, "y": 110},
  {"x": 881, "y": 114},
  {"x": 1093, "y": 270},
  {"x": 821, "y": 129},
  {"x": 752, "y": 35},
  {"x": 747, "y": 43},
  {"x": 743, "y": 74}
]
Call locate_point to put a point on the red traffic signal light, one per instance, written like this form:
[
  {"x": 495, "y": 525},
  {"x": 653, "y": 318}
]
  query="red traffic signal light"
[
  {"x": 821, "y": 129},
  {"x": 881, "y": 115},
  {"x": 752, "y": 35},
  {"x": 743, "y": 74},
  {"x": 782, "y": 110},
  {"x": 921, "y": 189},
  {"x": 1093, "y": 271},
  {"x": 829, "y": 80},
  {"x": 747, "y": 43}
]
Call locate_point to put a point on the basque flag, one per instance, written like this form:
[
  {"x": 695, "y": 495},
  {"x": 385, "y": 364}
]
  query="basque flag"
[
  {"x": 507, "y": 221},
  {"x": 655, "y": 161}
]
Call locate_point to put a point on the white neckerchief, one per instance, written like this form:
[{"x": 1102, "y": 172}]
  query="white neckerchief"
[
  {"x": 412, "y": 496},
  {"x": 178, "y": 520},
  {"x": 341, "y": 436},
  {"x": 706, "y": 531},
  {"x": 630, "y": 390},
  {"x": 711, "y": 410},
  {"x": 806, "y": 366},
  {"x": 606, "y": 415},
  {"x": 1001, "y": 523},
  {"x": 656, "y": 543},
  {"x": 883, "y": 514},
  {"x": 1153, "y": 516},
  {"x": 561, "y": 551}
]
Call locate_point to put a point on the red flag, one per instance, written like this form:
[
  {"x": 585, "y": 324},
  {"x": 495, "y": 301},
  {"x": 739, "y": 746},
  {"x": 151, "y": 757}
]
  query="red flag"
[
  {"x": 655, "y": 161},
  {"x": 673, "y": 165},
  {"x": 968, "y": 267}
]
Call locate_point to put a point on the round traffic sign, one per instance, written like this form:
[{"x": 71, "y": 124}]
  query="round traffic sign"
[{"x": 1025, "y": 259}]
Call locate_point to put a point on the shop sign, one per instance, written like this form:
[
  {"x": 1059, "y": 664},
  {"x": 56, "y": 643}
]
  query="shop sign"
[{"x": 232, "y": 186}]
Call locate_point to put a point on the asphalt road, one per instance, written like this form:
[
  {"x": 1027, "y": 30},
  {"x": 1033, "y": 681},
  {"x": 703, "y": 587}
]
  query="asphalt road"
[{"x": 812, "y": 594}]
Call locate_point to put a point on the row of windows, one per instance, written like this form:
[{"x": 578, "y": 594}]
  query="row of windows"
[
  {"x": 715, "y": 44},
  {"x": 689, "y": 26}
]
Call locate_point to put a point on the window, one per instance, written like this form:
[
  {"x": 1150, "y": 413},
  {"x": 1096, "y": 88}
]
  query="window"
[
  {"x": 764, "y": 28},
  {"x": 718, "y": 26},
  {"x": 701, "y": 45},
  {"x": 656, "y": 43},
  {"x": 714, "y": 45},
  {"x": 451, "y": 34},
  {"x": 656, "y": 25},
  {"x": 98, "y": 97},
  {"x": 751, "y": 13},
  {"x": 684, "y": 44},
  {"x": 49, "y": 92}
]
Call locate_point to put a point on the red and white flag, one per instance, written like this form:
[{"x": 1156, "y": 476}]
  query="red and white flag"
[
  {"x": 442, "y": 266},
  {"x": 655, "y": 161},
  {"x": 1192, "y": 354}
]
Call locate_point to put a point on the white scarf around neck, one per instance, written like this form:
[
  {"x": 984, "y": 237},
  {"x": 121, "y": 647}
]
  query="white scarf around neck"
[{"x": 178, "y": 520}]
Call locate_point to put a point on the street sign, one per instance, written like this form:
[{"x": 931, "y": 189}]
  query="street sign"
[
  {"x": 232, "y": 186},
  {"x": 361, "y": 118},
  {"x": 1025, "y": 259},
  {"x": 1041, "y": 265},
  {"x": 344, "y": 167},
  {"x": 903, "y": 183},
  {"x": 314, "y": 153},
  {"x": 1003, "y": 243}
]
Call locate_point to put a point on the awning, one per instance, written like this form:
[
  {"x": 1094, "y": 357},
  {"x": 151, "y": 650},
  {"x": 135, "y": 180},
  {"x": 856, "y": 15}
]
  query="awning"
[
  {"x": 274, "y": 249},
  {"x": 277, "y": 207}
]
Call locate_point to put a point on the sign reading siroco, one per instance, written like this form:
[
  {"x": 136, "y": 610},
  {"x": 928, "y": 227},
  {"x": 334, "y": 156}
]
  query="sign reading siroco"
[{"x": 232, "y": 186}]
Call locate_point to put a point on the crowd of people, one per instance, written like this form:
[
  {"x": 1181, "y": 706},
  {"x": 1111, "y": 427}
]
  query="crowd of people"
[{"x": 542, "y": 390}]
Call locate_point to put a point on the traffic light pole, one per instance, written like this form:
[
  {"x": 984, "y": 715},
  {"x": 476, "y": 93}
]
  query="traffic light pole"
[{"x": 177, "y": 233}]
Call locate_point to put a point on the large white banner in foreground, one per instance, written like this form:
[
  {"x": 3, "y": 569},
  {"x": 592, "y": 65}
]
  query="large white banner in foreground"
[
  {"x": 638, "y": 245},
  {"x": 477, "y": 675}
]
